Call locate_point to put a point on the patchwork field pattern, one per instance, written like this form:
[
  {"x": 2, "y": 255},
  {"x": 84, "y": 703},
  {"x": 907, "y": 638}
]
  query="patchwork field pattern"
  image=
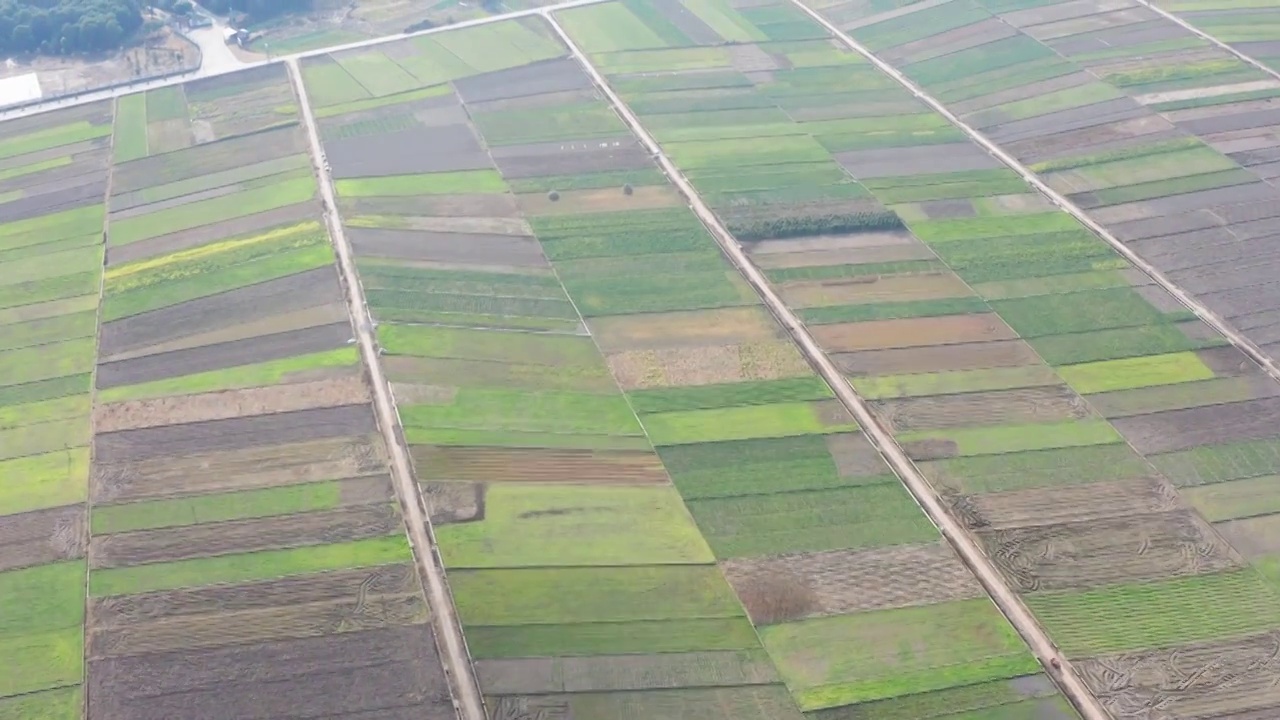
[
  {"x": 248, "y": 558},
  {"x": 1251, "y": 27},
  {"x": 1072, "y": 414},
  {"x": 54, "y": 169},
  {"x": 550, "y": 312},
  {"x": 846, "y": 612}
]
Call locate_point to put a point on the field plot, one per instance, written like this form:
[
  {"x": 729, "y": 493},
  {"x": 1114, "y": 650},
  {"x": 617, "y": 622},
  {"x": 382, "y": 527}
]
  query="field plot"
[
  {"x": 1251, "y": 27},
  {"x": 1164, "y": 138},
  {"x": 247, "y": 557},
  {"x": 550, "y": 312},
  {"x": 1057, "y": 399},
  {"x": 54, "y": 177}
]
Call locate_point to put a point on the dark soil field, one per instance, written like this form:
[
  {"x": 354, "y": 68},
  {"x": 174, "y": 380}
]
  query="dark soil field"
[{"x": 42, "y": 536}]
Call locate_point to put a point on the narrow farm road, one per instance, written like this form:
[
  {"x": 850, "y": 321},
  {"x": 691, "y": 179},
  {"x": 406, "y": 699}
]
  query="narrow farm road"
[
  {"x": 1008, "y": 602},
  {"x": 224, "y": 67},
  {"x": 1244, "y": 344},
  {"x": 454, "y": 655}
]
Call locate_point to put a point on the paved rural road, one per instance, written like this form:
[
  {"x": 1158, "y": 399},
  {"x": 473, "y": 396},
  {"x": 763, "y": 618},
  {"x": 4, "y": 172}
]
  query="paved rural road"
[
  {"x": 224, "y": 66},
  {"x": 1187, "y": 300},
  {"x": 454, "y": 655},
  {"x": 1008, "y": 601}
]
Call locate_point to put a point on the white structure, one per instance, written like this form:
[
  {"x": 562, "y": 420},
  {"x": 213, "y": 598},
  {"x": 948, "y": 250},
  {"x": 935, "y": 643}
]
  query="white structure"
[{"x": 20, "y": 88}]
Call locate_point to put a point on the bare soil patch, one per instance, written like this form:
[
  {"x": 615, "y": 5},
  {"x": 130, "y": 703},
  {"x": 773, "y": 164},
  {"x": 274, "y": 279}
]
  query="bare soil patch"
[
  {"x": 469, "y": 225},
  {"x": 33, "y": 205},
  {"x": 1064, "y": 503},
  {"x": 43, "y": 536},
  {"x": 845, "y": 581},
  {"x": 693, "y": 328},
  {"x": 854, "y": 455},
  {"x": 707, "y": 365},
  {"x": 299, "y": 620},
  {"x": 541, "y": 100},
  {"x": 216, "y": 312},
  {"x": 1073, "y": 556},
  {"x": 455, "y": 502},
  {"x": 913, "y": 332},
  {"x": 135, "y": 414},
  {"x": 245, "y": 469},
  {"x": 951, "y": 41},
  {"x": 375, "y": 672},
  {"x": 1026, "y": 405},
  {"x": 612, "y": 673},
  {"x": 1182, "y": 429},
  {"x": 970, "y": 356},
  {"x": 538, "y": 78},
  {"x": 288, "y": 321},
  {"x": 924, "y": 159},
  {"x": 688, "y": 23},
  {"x": 482, "y": 205},
  {"x": 1226, "y": 680},
  {"x": 208, "y": 158},
  {"x": 874, "y": 289},
  {"x": 613, "y": 199},
  {"x": 447, "y": 247},
  {"x": 1088, "y": 116},
  {"x": 224, "y": 355},
  {"x": 489, "y": 373},
  {"x": 571, "y": 157},
  {"x": 407, "y": 152},
  {"x": 1021, "y": 92},
  {"x": 233, "y": 434},
  {"x": 205, "y": 234},
  {"x": 476, "y": 464},
  {"x": 842, "y": 256},
  {"x": 130, "y": 610},
  {"x": 243, "y": 536},
  {"x": 1254, "y": 537}
]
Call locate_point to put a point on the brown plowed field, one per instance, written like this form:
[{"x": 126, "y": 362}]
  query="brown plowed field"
[
  {"x": 611, "y": 199},
  {"x": 447, "y": 247},
  {"x": 1065, "y": 503},
  {"x": 1183, "y": 429},
  {"x": 321, "y": 587},
  {"x": 854, "y": 455},
  {"x": 914, "y": 332},
  {"x": 1160, "y": 398},
  {"x": 695, "y": 328},
  {"x": 1043, "y": 404},
  {"x": 377, "y": 672},
  {"x": 233, "y": 434},
  {"x": 488, "y": 373},
  {"x": 328, "y": 314},
  {"x": 1254, "y": 537},
  {"x": 971, "y": 356},
  {"x": 536, "y": 465},
  {"x": 205, "y": 234},
  {"x": 840, "y": 256},
  {"x": 612, "y": 673},
  {"x": 243, "y": 469},
  {"x": 215, "y": 312},
  {"x": 455, "y": 502},
  {"x": 243, "y": 536},
  {"x": 707, "y": 365},
  {"x": 489, "y": 205},
  {"x": 294, "y": 621},
  {"x": 224, "y": 355},
  {"x": 837, "y": 582},
  {"x": 1225, "y": 680},
  {"x": 1109, "y": 551},
  {"x": 874, "y": 289},
  {"x": 135, "y": 414},
  {"x": 40, "y": 537}
]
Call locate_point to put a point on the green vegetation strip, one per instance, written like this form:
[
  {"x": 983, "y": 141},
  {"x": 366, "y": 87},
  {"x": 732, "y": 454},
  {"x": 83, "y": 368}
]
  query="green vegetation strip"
[
  {"x": 205, "y": 212},
  {"x": 274, "y": 372},
  {"x": 250, "y": 566},
  {"x": 41, "y": 612}
]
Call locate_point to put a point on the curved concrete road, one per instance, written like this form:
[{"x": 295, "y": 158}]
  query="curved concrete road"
[{"x": 970, "y": 552}]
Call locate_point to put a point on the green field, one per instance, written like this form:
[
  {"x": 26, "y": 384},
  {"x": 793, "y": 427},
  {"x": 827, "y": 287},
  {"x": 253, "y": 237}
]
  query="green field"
[
  {"x": 533, "y": 526},
  {"x": 248, "y": 566}
]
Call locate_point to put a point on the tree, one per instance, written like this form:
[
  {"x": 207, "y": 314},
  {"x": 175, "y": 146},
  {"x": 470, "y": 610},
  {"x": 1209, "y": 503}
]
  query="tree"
[{"x": 22, "y": 38}]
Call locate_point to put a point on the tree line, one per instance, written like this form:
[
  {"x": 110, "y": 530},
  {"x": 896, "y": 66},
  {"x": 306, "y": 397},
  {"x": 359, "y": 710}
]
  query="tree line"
[{"x": 66, "y": 26}]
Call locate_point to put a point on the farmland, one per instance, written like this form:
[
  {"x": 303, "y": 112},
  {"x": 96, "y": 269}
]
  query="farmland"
[
  {"x": 598, "y": 406},
  {"x": 1089, "y": 431},
  {"x": 229, "y": 525},
  {"x": 55, "y": 174}
]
